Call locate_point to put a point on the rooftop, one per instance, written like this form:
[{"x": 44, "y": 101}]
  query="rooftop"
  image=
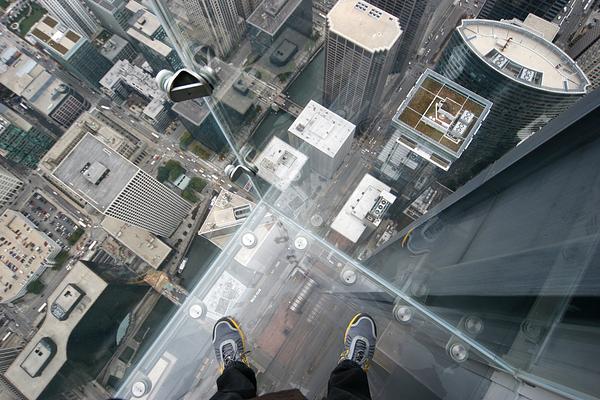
[
  {"x": 55, "y": 35},
  {"x": 140, "y": 81},
  {"x": 17, "y": 70},
  {"x": 106, "y": 4},
  {"x": 442, "y": 112},
  {"x": 90, "y": 150},
  {"x": 522, "y": 55},
  {"x": 364, "y": 24},
  {"x": 143, "y": 243},
  {"x": 66, "y": 301},
  {"x": 270, "y": 15},
  {"x": 280, "y": 164},
  {"x": 143, "y": 20},
  {"x": 113, "y": 46},
  {"x": 366, "y": 205},
  {"x": 193, "y": 110},
  {"x": 46, "y": 92},
  {"x": 86, "y": 123},
  {"x": 57, "y": 331},
  {"x": 14, "y": 118},
  {"x": 322, "y": 128},
  {"x": 24, "y": 250},
  {"x": 227, "y": 213},
  {"x": 155, "y": 45}
]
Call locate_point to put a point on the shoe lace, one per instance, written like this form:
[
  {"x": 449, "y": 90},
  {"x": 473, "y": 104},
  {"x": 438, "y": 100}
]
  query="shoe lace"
[
  {"x": 360, "y": 351},
  {"x": 230, "y": 355}
]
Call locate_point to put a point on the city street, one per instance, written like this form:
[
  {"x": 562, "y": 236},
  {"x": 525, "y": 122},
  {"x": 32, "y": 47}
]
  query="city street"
[{"x": 571, "y": 20}]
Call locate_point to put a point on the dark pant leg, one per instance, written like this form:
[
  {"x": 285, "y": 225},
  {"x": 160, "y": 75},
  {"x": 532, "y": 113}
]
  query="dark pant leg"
[
  {"x": 236, "y": 383},
  {"x": 348, "y": 381}
]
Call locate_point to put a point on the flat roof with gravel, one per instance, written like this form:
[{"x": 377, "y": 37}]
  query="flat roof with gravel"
[{"x": 92, "y": 152}]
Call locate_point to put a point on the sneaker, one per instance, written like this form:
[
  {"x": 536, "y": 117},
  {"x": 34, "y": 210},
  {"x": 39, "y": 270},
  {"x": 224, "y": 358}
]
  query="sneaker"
[
  {"x": 359, "y": 340},
  {"x": 229, "y": 344}
]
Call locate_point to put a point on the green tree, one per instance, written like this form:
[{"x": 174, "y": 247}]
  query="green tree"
[
  {"x": 163, "y": 174},
  {"x": 197, "y": 184},
  {"x": 200, "y": 151},
  {"x": 36, "y": 286},
  {"x": 189, "y": 195},
  {"x": 185, "y": 140},
  {"x": 284, "y": 76},
  {"x": 175, "y": 169}
]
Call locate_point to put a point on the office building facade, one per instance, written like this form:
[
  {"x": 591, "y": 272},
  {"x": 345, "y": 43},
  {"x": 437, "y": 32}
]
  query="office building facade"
[
  {"x": 125, "y": 79},
  {"x": 519, "y": 247},
  {"x": 117, "y": 188},
  {"x": 10, "y": 186},
  {"x": 410, "y": 14},
  {"x": 74, "y": 14},
  {"x": 586, "y": 52},
  {"x": 70, "y": 108},
  {"x": 271, "y": 18},
  {"x": 517, "y": 71},
  {"x": 150, "y": 38},
  {"x": 322, "y": 135},
  {"x": 75, "y": 52},
  {"x": 222, "y": 21},
  {"x": 116, "y": 48},
  {"x": 113, "y": 14},
  {"x": 361, "y": 42},
  {"x": 502, "y": 9}
]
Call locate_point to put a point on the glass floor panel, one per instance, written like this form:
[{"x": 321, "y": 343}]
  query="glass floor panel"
[{"x": 293, "y": 294}]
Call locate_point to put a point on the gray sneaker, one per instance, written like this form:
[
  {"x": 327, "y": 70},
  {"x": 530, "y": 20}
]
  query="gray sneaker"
[
  {"x": 359, "y": 340},
  {"x": 228, "y": 341}
]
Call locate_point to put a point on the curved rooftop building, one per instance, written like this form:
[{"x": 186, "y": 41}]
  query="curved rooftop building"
[{"x": 529, "y": 80}]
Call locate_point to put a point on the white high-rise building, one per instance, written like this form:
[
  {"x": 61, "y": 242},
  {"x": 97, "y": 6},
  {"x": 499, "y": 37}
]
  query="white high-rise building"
[
  {"x": 360, "y": 48},
  {"x": 324, "y": 136},
  {"x": 117, "y": 188},
  {"x": 9, "y": 187},
  {"x": 74, "y": 14},
  {"x": 222, "y": 21}
]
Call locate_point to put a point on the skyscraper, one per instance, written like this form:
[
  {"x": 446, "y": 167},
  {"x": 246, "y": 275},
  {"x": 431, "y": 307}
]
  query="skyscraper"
[
  {"x": 72, "y": 50},
  {"x": 520, "y": 242},
  {"x": 502, "y": 9},
  {"x": 113, "y": 14},
  {"x": 9, "y": 187},
  {"x": 527, "y": 78},
  {"x": 360, "y": 48},
  {"x": 150, "y": 37},
  {"x": 117, "y": 188},
  {"x": 124, "y": 79},
  {"x": 410, "y": 14},
  {"x": 586, "y": 51},
  {"x": 439, "y": 119},
  {"x": 221, "y": 18},
  {"x": 74, "y": 14}
]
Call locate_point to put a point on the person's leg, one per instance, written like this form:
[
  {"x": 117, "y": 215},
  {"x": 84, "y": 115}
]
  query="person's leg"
[
  {"x": 235, "y": 383},
  {"x": 348, "y": 381},
  {"x": 237, "y": 380}
]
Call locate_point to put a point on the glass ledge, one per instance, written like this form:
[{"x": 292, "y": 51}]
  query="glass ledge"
[{"x": 289, "y": 291}]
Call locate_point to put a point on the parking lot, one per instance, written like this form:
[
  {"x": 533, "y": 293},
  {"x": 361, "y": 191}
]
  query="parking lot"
[{"x": 49, "y": 220}]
